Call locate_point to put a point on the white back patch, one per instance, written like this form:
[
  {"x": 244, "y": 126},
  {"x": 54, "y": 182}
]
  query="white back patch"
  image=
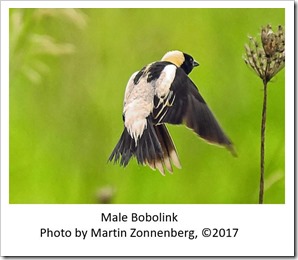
[
  {"x": 138, "y": 104},
  {"x": 164, "y": 82},
  {"x": 129, "y": 87}
]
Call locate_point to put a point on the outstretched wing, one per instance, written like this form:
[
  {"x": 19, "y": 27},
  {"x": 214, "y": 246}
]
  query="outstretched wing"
[{"x": 184, "y": 104}]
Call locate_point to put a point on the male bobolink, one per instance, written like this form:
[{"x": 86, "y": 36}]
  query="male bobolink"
[{"x": 160, "y": 93}]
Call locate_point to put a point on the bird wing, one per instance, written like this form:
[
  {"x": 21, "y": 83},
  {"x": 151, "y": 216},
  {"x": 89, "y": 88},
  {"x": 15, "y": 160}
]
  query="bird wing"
[{"x": 184, "y": 104}]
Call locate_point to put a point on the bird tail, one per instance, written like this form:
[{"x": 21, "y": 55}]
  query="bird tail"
[
  {"x": 124, "y": 149},
  {"x": 155, "y": 148},
  {"x": 170, "y": 155}
]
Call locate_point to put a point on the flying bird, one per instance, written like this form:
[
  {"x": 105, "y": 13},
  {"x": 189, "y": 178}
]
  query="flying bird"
[{"x": 161, "y": 93}]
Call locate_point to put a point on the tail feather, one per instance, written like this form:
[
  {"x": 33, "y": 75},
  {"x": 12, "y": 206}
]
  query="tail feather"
[
  {"x": 168, "y": 146},
  {"x": 167, "y": 162},
  {"x": 124, "y": 150},
  {"x": 155, "y": 148},
  {"x": 149, "y": 150}
]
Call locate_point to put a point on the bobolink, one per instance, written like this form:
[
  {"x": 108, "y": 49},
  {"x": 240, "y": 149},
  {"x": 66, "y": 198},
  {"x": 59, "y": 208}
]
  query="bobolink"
[{"x": 160, "y": 93}]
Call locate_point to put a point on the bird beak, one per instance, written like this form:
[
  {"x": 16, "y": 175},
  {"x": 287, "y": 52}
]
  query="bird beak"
[{"x": 195, "y": 63}]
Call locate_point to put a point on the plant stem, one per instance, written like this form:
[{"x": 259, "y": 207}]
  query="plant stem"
[{"x": 263, "y": 128}]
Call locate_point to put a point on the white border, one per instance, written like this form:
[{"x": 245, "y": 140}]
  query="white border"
[
  {"x": 263, "y": 229},
  {"x": 145, "y": 4}
]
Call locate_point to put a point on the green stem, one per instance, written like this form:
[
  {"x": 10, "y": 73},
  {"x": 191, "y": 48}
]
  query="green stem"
[{"x": 263, "y": 128}]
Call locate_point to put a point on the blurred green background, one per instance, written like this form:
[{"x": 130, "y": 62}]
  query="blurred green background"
[{"x": 68, "y": 72}]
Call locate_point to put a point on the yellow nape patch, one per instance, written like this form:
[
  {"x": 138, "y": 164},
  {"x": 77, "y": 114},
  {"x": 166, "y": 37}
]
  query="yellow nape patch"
[{"x": 175, "y": 57}]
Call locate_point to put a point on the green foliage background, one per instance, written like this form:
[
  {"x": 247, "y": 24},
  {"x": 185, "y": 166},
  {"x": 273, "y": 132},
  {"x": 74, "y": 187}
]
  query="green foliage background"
[{"x": 68, "y": 72}]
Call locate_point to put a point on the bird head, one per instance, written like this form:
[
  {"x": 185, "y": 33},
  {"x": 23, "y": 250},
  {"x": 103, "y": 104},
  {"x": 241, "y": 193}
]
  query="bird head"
[{"x": 181, "y": 60}]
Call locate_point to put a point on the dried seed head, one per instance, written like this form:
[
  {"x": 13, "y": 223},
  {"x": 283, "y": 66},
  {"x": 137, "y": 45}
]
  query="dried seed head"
[{"x": 269, "y": 58}]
